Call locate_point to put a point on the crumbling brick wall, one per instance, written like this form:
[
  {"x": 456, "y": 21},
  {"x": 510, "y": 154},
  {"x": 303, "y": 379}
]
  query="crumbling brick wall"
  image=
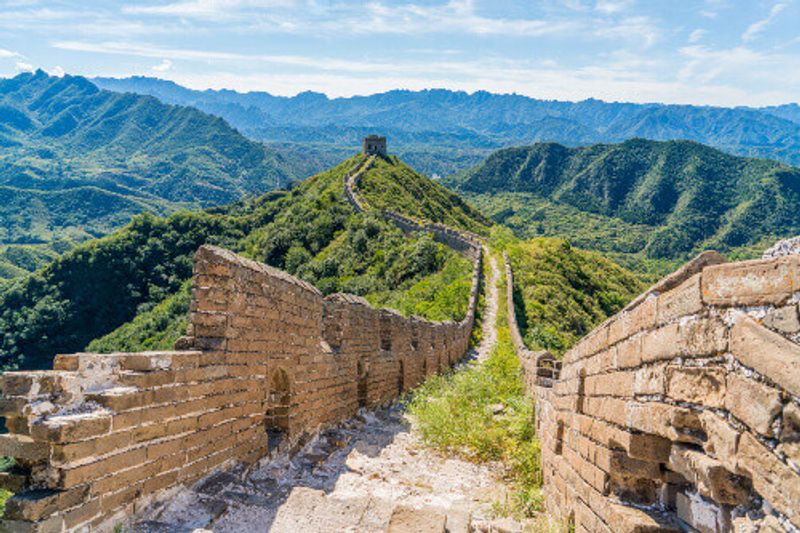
[
  {"x": 267, "y": 362},
  {"x": 682, "y": 412}
]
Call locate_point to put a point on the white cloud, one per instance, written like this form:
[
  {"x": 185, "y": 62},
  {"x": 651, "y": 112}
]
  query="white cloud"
[
  {"x": 24, "y": 67},
  {"x": 57, "y": 71},
  {"x": 611, "y": 7},
  {"x": 456, "y": 16},
  {"x": 742, "y": 67},
  {"x": 641, "y": 29},
  {"x": 204, "y": 9},
  {"x": 7, "y": 53},
  {"x": 757, "y": 27},
  {"x": 697, "y": 35},
  {"x": 164, "y": 66}
]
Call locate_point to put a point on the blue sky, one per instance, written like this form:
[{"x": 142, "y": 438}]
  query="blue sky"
[{"x": 721, "y": 52}]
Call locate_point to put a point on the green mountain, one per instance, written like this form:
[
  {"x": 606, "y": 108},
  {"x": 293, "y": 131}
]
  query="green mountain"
[
  {"x": 77, "y": 162},
  {"x": 391, "y": 184},
  {"x": 652, "y": 201},
  {"x": 561, "y": 293},
  {"x": 128, "y": 290}
]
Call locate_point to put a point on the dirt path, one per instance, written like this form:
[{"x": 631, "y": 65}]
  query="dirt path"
[
  {"x": 489, "y": 326},
  {"x": 359, "y": 477}
]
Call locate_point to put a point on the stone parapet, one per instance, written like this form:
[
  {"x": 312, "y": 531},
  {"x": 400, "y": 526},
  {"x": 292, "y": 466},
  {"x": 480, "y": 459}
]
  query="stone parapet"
[{"x": 682, "y": 412}]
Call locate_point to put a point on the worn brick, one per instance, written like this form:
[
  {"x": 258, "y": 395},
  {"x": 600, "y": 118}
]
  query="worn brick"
[
  {"x": 757, "y": 282},
  {"x": 683, "y": 300},
  {"x": 767, "y": 352},
  {"x": 784, "y": 319},
  {"x": 72, "y": 428},
  {"x": 23, "y": 447},
  {"x": 722, "y": 439},
  {"x": 36, "y": 504},
  {"x": 710, "y": 476},
  {"x": 699, "y": 385},
  {"x": 753, "y": 403}
]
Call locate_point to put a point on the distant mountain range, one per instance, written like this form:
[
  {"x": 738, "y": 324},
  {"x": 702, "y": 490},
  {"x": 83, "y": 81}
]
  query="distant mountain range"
[
  {"x": 656, "y": 200},
  {"x": 77, "y": 162},
  {"x": 459, "y": 128}
]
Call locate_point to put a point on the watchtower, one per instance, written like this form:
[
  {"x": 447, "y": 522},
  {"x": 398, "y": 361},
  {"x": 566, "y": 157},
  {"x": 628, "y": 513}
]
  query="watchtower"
[{"x": 374, "y": 144}]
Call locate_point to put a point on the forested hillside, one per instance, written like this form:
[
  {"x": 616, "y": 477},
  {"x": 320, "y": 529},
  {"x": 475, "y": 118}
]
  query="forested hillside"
[
  {"x": 391, "y": 184},
  {"x": 441, "y": 131},
  {"x": 129, "y": 291},
  {"x": 562, "y": 293},
  {"x": 652, "y": 200},
  {"x": 77, "y": 162}
]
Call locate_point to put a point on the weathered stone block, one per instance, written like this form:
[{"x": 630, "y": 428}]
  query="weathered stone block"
[
  {"x": 624, "y": 519},
  {"x": 685, "y": 299},
  {"x": 36, "y": 504},
  {"x": 767, "y": 352},
  {"x": 651, "y": 380},
  {"x": 758, "y": 282},
  {"x": 702, "y": 515},
  {"x": 722, "y": 439},
  {"x": 627, "y": 323},
  {"x": 710, "y": 477},
  {"x": 72, "y": 428},
  {"x": 753, "y": 403},
  {"x": 629, "y": 352},
  {"x": 23, "y": 447},
  {"x": 409, "y": 520},
  {"x": 695, "y": 337},
  {"x": 783, "y": 319},
  {"x": 698, "y": 385}
]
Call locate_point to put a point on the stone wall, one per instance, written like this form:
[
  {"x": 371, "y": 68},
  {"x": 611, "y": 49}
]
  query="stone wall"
[
  {"x": 462, "y": 241},
  {"x": 682, "y": 412},
  {"x": 268, "y": 361}
]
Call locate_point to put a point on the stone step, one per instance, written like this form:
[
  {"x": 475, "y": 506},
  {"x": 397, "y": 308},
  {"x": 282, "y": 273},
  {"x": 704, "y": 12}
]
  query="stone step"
[
  {"x": 309, "y": 509},
  {"x": 312, "y": 510},
  {"x": 410, "y": 520}
]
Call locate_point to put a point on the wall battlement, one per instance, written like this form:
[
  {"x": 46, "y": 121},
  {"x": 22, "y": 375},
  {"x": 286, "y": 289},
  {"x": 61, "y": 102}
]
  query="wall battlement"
[
  {"x": 266, "y": 363},
  {"x": 682, "y": 412}
]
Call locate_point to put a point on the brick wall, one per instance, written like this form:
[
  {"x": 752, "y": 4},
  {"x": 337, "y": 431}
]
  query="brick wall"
[
  {"x": 682, "y": 412},
  {"x": 267, "y": 362}
]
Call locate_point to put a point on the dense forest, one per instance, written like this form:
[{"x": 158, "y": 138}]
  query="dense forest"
[
  {"x": 129, "y": 291},
  {"x": 644, "y": 202},
  {"x": 561, "y": 293}
]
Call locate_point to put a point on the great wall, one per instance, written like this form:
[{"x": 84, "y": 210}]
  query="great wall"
[
  {"x": 680, "y": 413},
  {"x": 267, "y": 363}
]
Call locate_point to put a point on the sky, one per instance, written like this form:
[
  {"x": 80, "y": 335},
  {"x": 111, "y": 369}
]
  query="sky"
[{"x": 714, "y": 52}]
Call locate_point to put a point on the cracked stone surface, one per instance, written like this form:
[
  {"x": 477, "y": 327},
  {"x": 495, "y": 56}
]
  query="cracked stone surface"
[{"x": 351, "y": 478}]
